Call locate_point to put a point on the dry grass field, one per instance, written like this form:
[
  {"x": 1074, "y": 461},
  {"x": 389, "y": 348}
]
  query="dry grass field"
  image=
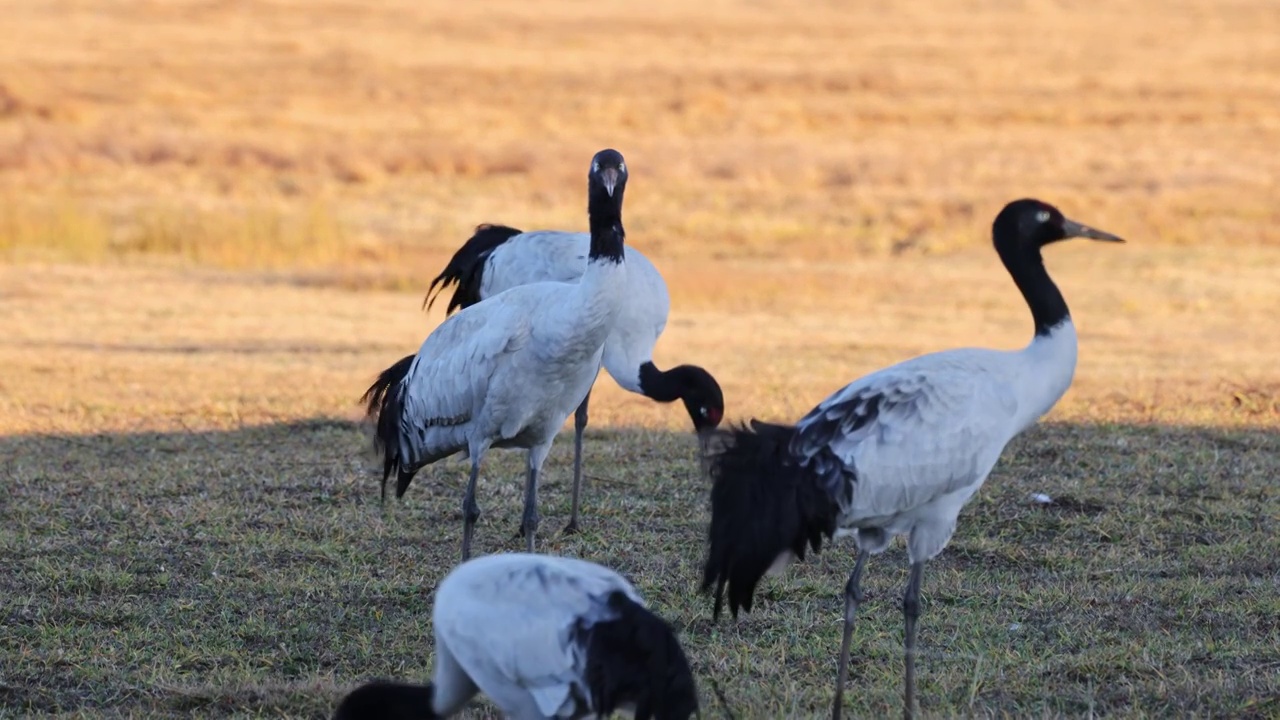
[{"x": 217, "y": 221}]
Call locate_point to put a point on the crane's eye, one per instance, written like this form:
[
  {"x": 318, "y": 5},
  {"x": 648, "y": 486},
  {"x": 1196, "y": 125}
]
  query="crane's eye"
[
  {"x": 595, "y": 166},
  {"x": 622, "y": 167},
  {"x": 1042, "y": 216}
]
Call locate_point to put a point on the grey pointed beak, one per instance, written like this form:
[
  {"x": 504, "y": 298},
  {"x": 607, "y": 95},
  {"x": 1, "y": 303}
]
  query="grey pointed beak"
[
  {"x": 609, "y": 178},
  {"x": 1074, "y": 229}
]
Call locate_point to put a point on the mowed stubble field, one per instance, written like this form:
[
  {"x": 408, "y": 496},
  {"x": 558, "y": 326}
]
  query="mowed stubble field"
[{"x": 217, "y": 222}]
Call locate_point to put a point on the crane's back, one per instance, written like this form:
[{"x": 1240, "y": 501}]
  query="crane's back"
[
  {"x": 559, "y": 637},
  {"x": 551, "y": 255}
]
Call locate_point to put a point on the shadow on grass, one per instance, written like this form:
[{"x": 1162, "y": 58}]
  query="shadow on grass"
[{"x": 255, "y": 572}]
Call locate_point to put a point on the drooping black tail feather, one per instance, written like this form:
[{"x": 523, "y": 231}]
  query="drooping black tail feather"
[
  {"x": 382, "y": 400},
  {"x": 375, "y": 398},
  {"x": 466, "y": 268},
  {"x": 763, "y": 503},
  {"x": 386, "y": 700},
  {"x": 637, "y": 659}
]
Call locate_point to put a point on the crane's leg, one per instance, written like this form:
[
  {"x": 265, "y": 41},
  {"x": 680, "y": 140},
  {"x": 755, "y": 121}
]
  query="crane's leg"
[
  {"x": 529, "y": 522},
  {"x": 911, "y": 611},
  {"x": 579, "y": 426},
  {"x": 852, "y": 599},
  {"x": 470, "y": 510},
  {"x": 388, "y": 464}
]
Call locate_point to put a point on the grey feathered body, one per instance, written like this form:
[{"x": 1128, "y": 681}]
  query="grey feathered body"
[
  {"x": 508, "y": 372},
  {"x": 542, "y": 255}
]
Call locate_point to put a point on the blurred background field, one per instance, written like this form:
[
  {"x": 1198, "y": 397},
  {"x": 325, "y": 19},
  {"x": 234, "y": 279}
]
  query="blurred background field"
[
  {"x": 287, "y": 134},
  {"x": 833, "y": 162}
]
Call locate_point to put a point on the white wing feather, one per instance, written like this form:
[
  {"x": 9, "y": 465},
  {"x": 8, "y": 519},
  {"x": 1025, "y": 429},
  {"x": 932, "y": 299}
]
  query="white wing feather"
[
  {"x": 448, "y": 381},
  {"x": 912, "y": 432},
  {"x": 536, "y": 256},
  {"x": 543, "y": 255}
]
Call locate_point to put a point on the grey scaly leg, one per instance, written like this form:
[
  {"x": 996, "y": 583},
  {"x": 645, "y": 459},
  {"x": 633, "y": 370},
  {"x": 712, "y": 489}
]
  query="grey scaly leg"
[
  {"x": 529, "y": 523},
  {"x": 579, "y": 426},
  {"x": 911, "y": 611},
  {"x": 470, "y": 510},
  {"x": 852, "y": 599}
]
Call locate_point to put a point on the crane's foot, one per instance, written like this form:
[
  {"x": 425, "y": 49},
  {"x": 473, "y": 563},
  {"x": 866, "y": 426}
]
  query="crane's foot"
[
  {"x": 571, "y": 528},
  {"x": 525, "y": 530}
]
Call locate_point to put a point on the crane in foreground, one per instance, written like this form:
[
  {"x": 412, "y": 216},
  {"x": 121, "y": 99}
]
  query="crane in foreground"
[
  {"x": 508, "y": 371},
  {"x": 542, "y": 637},
  {"x": 896, "y": 452}
]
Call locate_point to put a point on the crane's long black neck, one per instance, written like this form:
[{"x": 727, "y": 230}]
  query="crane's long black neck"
[
  {"x": 636, "y": 658},
  {"x": 1023, "y": 261},
  {"x": 605, "y": 217},
  {"x": 659, "y": 385}
]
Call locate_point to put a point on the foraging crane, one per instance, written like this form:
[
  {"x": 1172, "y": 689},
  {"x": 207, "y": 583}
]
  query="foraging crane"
[
  {"x": 542, "y": 637},
  {"x": 897, "y": 452},
  {"x": 497, "y": 258},
  {"x": 508, "y": 371}
]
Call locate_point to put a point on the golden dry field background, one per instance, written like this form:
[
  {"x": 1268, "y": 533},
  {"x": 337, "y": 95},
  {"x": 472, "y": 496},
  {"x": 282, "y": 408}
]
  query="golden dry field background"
[{"x": 218, "y": 219}]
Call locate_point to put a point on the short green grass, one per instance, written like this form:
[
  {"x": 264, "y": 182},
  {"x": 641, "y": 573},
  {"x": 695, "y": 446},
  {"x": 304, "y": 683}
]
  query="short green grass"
[{"x": 252, "y": 573}]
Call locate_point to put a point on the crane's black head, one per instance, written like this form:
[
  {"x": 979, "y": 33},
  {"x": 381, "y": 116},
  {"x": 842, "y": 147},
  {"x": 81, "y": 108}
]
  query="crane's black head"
[
  {"x": 702, "y": 397},
  {"x": 673, "y": 693},
  {"x": 636, "y": 659},
  {"x": 1020, "y": 230},
  {"x": 675, "y": 696},
  {"x": 608, "y": 174},
  {"x": 690, "y": 384},
  {"x": 387, "y": 700},
  {"x": 1029, "y": 225}
]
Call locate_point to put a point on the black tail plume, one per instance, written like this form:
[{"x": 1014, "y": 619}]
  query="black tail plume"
[
  {"x": 763, "y": 503},
  {"x": 382, "y": 400},
  {"x": 637, "y": 658},
  {"x": 387, "y": 700},
  {"x": 466, "y": 268}
]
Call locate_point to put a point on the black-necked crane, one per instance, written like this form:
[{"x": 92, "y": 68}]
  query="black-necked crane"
[
  {"x": 508, "y": 371},
  {"x": 896, "y": 452},
  {"x": 542, "y": 637},
  {"x": 497, "y": 258}
]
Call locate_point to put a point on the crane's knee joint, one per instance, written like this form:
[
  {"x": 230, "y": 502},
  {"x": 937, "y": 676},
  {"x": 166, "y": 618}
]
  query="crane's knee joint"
[
  {"x": 911, "y": 607},
  {"x": 853, "y": 591}
]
